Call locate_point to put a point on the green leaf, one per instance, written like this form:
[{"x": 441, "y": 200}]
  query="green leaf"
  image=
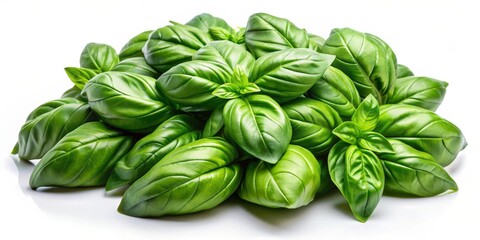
[
  {"x": 214, "y": 123},
  {"x": 412, "y": 172},
  {"x": 79, "y": 76},
  {"x": 74, "y": 92},
  {"x": 83, "y": 158},
  {"x": 348, "y": 131},
  {"x": 15, "y": 149},
  {"x": 422, "y": 92},
  {"x": 98, "y": 57},
  {"x": 336, "y": 164},
  {"x": 264, "y": 122},
  {"x": 205, "y": 21},
  {"x": 403, "y": 71},
  {"x": 227, "y": 91},
  {"x": 49, "y": 123},
  {"x": 338, "y": 91},
  {"x": 149, "y": 150},
  {"x": 364, "y": 181},
  {"x": 127, "y": 101},
  {"x": 423, "y": 130},
  {"x": 227, "y": 56},
  {"x": 239, "y": 37},
  {"x": 266, "y": 34},
  {"x": 312, "y": 124},
  {"x": 288, "y": 74},
  {"x": 192, "y": 178},
  {"x": 133, "y": 48},
  {"x": 249, "y": 88},
  {"x": 326, "y": 184},
  {"x": 290, "y": 183},
  {"x": 219, "y": 33},
  {"x": 366, "y": 59},
  {"x": 171, "y": 45},
  {"x": 136, "y": 65},
  {"x": 315, "y": 42},
  {"x": 191, "y": 84},
  {"x": 375, "y": 142},
  {"x": 366, "y": 115},
  {"x": 239, "y": 77}
]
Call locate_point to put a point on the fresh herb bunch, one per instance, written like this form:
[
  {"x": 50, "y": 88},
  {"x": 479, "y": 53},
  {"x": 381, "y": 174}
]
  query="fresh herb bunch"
[{"x": 189, "y": 114}]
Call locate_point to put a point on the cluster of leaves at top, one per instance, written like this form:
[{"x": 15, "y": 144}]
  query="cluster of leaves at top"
[{"x": 189, "y": 114}]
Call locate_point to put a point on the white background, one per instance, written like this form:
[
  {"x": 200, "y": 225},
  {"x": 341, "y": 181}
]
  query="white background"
[{"x": 38, "y": 39}]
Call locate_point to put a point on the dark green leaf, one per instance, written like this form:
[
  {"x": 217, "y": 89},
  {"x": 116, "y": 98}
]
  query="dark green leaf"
[
  {"x": 266, "y": 33},
  {"x": 49, "y": 123},
  {"x": 423, "y": 130},
  {"x": 288, "y": 74},
  {"x": 74, "y": 92},
  {"x": 98, "y": 57},
  {"x": 191, "y": 84},
  {"x": 171, "y": 45},
  {"x": 173, "y": 133},
  {"x": 133, "y": 48},
  {"x": 259, "y": 126},
  {"x": 214, "y": 123},
  {"x": 423, "y": 92},
  {"x": 412, "y": 172},
  {"x": 127, "y": 101},
  {"x": 192, "y": 178},
  {"x": 326, "y": 183},
  {"x": 136, "y": 65},
  {"x": 366, "y": 115},
  {"x": 337, "y": 90},
  {"x": 366, "y": 59},
  {"x": 83, "y": 158},
  {"x": 312, "y": 124},
  {"x": 290, "y": 183},
  {"x": 80, "y": 76}
]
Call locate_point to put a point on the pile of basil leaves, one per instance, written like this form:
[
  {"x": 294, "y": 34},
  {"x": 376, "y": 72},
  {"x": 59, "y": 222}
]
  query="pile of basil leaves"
[{"x": 189, "y": 114}]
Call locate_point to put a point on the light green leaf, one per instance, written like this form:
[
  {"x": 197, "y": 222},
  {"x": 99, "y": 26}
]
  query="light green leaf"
[
  {"x": 375, "y": 142},
  {"x": 366, "y": 115},
  {"x": 80, "y": 76},
  {"x": 227, "y": 91},
  {"x": 348, "y": 131}
]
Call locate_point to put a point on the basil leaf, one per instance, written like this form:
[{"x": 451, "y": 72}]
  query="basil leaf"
[
  {"x": 192, "y": 178},
  {"x": 127, "y": 101},
  {"x": 136, "y": 65},
  {"x": 412, "y": 172},
  {"x": 315, "y": 42},
  {"x": 348, "y": 131},
  {"x": 423, "y": 92},
  {"x": 226, "y": 55},
  {"x": 98, "y": 57},
  {"x": 227, "y": 91},
  {"x": 366, "y": 115},
  {"x": 74, "y": 92},
  {"x": 403, "y": 71},
  {"x": 366, "y": 59},
  {"x": 83, "y": 158},
  {"x": 266, "y": 33},
  {"x": 259, "y": 126},
  {"x": 364, "y": 181},
  {"x": 290, "y": 183},
  {"x": 336, "y": 164},
  {"x": 219, "y": 33},
  {"x": 191, "y": 84},
  {"x": 49, "y": 123},
  {"x": 173, "y": 133},
  {"x": 80, "y": 76},
  {"x": 171, "y": 45},
  {"x": 326, "y": 184},
  {"x": 312, "y": 124},
  {"x": 133, "y": 48},
  {"x": 214, "y": 123},
  {"x": 375, "y": 142},
  {"x": 337, "y": 90},
  {"x": 288, "y": 74},
  {"x": 423, "y": 130},
  {"x": 205, "y": 21}
]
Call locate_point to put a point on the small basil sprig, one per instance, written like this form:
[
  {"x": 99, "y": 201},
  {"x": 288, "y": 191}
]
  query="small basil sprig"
[
  {"x": 237, "y": 86},
  {"x": 353, "y": 164}
]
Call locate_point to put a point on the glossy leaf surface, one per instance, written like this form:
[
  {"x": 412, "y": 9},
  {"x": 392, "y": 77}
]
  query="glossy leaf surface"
[
  {"x": 136, "y": 65},
  {"x": 133, "y": 48},
  {"x": 98, "y": 57}
]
